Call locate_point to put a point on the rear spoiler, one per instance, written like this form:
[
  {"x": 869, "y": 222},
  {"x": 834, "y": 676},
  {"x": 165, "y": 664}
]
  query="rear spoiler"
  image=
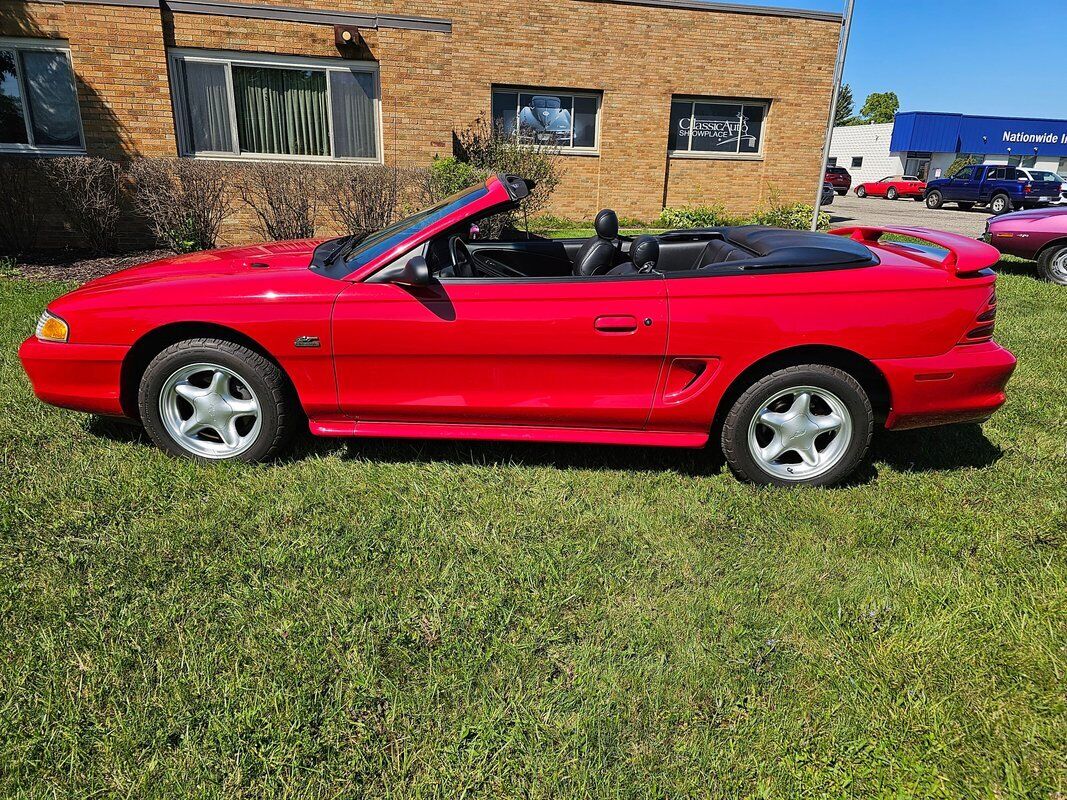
[{"x": 965, "y": 256}]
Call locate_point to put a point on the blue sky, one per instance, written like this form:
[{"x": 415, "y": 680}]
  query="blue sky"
[{"x": 938, "y": 55}]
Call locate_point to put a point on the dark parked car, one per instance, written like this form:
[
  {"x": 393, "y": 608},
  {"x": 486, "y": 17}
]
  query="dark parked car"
[
  {"x": 839, "y": 178},
  {"x": 827, "y": 194},
  {"x": 1000, "y": 187}
]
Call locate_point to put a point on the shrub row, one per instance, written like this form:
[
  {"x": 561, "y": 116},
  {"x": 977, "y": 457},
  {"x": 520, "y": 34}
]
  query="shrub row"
[{"x": 186, "y": 201}]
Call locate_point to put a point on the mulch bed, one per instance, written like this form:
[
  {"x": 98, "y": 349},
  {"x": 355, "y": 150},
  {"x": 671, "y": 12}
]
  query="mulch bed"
[{"x": 79, "y": 267}]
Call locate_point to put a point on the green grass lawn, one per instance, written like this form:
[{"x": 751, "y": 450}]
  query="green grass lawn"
[{"x": 388, "y": 619}]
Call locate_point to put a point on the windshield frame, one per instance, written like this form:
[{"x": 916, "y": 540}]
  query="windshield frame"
[{"x": 366, "y": 254}]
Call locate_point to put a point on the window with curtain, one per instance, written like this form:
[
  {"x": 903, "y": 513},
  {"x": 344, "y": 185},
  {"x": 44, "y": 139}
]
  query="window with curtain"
[
  {"x": 716, "y": 128},
  {"x": 38, "y": 101},
  {"x": 241, "y": 105},
  {"x": 567, "y": 120}
]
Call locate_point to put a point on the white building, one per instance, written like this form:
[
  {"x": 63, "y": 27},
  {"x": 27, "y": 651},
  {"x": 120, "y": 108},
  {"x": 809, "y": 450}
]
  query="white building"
[{"x": 925, "y": 145}]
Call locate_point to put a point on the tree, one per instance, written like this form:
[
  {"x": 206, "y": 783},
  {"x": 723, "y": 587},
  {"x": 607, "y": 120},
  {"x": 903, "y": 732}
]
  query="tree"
[
  {"x": 845, "y": 106},
  {"x": 880, "y": 107}
]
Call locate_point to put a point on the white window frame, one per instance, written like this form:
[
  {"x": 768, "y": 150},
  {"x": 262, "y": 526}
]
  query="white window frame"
[
  {"x": 712, "y": 154},
  {"x": 543, "y": 90},
  {"x": 232, "y": 58},
  {"x": 18, "y": 44}
]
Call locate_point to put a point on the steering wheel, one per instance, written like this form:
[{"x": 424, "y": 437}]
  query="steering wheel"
[{"x": 462, "y": 261}]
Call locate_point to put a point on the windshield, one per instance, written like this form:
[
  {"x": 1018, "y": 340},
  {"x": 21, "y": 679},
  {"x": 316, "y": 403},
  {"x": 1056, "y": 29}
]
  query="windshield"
[
  {"x": 1043, "y": 175},
  {"x": 367, "y": 249}
]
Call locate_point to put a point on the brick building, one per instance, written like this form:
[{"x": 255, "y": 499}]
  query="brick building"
[{"x": 652, "y": 102}]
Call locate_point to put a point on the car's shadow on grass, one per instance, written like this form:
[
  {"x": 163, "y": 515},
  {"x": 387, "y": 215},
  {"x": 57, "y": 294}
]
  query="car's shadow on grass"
[{"x": 941, "y": 449}]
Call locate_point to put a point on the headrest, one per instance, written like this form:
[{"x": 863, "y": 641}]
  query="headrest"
[
  {"x": 607, "y": 224},
  {"x": 644, "y": 252}
]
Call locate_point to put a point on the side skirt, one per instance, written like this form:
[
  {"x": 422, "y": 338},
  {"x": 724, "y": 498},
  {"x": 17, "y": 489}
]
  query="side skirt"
[{"x": 421, "y": 430}]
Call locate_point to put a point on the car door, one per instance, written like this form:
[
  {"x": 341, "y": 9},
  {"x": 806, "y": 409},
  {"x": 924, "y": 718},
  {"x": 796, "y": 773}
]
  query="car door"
[
  {"x": 964, "y": 185},
  {"x": 564, "y": 352}
]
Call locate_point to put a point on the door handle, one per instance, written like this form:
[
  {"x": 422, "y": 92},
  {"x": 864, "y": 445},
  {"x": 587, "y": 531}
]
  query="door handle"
[{"x": 618, "y": 324}]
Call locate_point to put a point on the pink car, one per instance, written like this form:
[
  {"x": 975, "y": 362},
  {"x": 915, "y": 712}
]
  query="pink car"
[{"x": 1039, "y": 234}]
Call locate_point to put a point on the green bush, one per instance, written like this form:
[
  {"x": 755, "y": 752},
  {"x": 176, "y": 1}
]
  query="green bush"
[
  {"x": 695, "y": 217},
  {"x": 794, "y": 216},
  {"x": 550, "y": 222},
  {"x": 446, "y": 176}
]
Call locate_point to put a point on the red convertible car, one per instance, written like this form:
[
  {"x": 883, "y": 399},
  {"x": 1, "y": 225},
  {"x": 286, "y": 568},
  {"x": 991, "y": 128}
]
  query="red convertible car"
[
  {"x": 788, "y": 347},
  {"x": 893, "y": 187}
]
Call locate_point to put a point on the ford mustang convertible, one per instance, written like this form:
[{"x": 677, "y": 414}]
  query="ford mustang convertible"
[{"x": 786, "y": 347}]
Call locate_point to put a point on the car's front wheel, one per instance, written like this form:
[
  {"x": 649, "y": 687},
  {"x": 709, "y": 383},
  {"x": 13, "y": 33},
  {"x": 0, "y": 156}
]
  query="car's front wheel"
[
  {"x": 1052, "y": 265},
  {"x": 861, "y": 192},
  {"x": 935, "y": 199},
  {"x": 214, "y": 400},
  {"x": 808, "y": 425}
]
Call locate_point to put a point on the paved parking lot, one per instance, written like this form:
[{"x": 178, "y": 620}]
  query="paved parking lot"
[{"x": 851, "y": 210}]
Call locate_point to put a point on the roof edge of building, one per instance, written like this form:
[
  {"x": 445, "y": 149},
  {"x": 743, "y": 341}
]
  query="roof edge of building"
[
  {"x": 732, "y": 8},
  {"x": 313, "y": 16}
]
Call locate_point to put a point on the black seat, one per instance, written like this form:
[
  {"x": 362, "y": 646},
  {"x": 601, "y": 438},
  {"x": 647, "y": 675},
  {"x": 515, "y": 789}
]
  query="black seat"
[
  {"x": 644, "y": 255},
  {"x": 719, "y": 251},
  {"x": 597, "y": 255}
]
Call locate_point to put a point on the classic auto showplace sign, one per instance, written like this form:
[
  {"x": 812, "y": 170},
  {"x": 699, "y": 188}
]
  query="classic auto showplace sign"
[{"x": 717, "y": 132}]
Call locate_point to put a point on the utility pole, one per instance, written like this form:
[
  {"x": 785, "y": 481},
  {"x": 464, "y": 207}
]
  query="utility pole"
[{"x": 839, "y": 68}]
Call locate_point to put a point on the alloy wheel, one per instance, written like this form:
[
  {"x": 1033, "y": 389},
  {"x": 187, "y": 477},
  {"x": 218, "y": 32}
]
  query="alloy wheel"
[
  {"x": 1057, "y": 271},
  {"x": 800, "y": 433},
  {"x": 210, "y": 410}
]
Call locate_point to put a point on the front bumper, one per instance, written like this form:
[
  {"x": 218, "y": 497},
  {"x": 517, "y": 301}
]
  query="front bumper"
[
  {"x": 965, "y": 384},
  {"x": 84, "y": 377}
]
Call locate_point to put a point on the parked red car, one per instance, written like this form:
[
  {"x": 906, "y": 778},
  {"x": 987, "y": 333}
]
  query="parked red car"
[
  {"x": 892, "y": 187},
  {"x": 1039, "y": 234},
  {"x": 789, "y": 346},
  {"x": 839, "y": 178}
]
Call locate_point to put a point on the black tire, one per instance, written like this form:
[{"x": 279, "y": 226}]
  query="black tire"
[
  {"x": 277, "y": 403},
  {"x": 861, "y": 192},
  {"x": 740, "y": 418},
  {"x": 891, "y": 194},
  {"x": 842, "y": 192},
  {"x": 965, "y": 206},
  {"x": 934, "y": 199},
  {"x": 1000, "y": 204},
  {"x": 1052, "y": 265}
]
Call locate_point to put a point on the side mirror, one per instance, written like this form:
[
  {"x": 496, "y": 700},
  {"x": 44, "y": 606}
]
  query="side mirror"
[{"x": 413, "y": 272}]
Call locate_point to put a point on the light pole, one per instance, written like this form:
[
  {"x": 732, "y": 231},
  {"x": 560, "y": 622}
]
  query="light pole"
[{"x": 839, "y": 68}]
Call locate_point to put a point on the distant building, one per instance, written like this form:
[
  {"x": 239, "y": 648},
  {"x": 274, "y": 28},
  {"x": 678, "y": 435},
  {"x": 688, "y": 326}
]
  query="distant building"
[{"x": 925, "y": 144}]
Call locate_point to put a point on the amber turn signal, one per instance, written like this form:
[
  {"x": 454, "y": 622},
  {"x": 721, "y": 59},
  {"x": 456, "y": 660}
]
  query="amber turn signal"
[{"x": 51, "y": 328}]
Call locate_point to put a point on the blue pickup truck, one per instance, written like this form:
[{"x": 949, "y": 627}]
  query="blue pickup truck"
[{"x": 1000, "y": 187}]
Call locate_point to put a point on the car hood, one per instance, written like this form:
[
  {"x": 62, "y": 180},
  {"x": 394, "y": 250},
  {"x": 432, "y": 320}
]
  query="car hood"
[
  {"x": 273, "y": 257},
  {"x": 1033, "y": 215}
]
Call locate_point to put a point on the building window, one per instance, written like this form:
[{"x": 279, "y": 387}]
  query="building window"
[
  {"x": 240, "y": 105},
  {"x": 719, "y": 128},
  {"x": 857, "y": 162},
  {"x": 1023, "y": 161},
  {"x": 831, "y": 161},
  {"x": 568, "y": 120},
  {"x": 38, "y": 102}
]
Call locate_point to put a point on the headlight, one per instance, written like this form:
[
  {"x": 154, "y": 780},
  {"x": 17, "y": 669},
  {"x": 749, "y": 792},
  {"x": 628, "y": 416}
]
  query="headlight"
[{"x": 51, "y": 328}]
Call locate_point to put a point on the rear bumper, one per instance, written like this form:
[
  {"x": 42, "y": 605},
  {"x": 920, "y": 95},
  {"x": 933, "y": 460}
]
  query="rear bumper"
[
  {"x": 84, "y": 377},
  {"x": 964, "y": 385}
]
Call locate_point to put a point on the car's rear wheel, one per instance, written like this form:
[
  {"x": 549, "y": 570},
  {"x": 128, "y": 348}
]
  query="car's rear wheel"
[
  {"x": 935, "y": 199},
  {"x": 214, "y": 400},
  {"x": 1052, "y": 265},
  {"x": 892, "y": 194},
  {"x": 842, "y": 192},
  {"x": 808, "y": 425},
  {"x": 1000, "y": 204},
  {"x": 861, "y": 192}
]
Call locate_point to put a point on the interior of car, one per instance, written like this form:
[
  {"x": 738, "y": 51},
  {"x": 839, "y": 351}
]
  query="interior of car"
[{"x": 465, "y": 253}]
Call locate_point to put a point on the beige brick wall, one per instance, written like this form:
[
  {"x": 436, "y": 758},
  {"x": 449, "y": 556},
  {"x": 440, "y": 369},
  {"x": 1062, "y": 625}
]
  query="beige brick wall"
[{"x": 436, "y": 83}]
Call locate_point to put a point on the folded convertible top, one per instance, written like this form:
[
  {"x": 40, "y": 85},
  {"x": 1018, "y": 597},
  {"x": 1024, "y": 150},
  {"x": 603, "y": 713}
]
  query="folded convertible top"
[{"x": 775, "y": 246}]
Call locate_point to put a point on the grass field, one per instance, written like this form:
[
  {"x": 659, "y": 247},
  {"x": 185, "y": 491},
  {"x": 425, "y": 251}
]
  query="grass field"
[{"x": 454, "y": 620}]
